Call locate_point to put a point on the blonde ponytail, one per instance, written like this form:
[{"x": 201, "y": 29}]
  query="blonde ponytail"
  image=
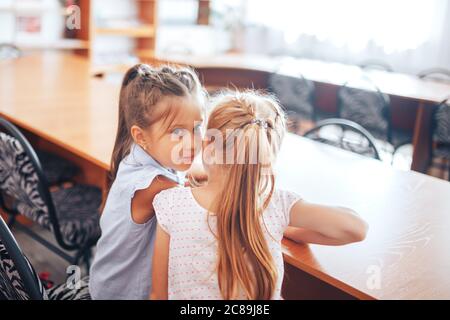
[{"x": 245, "y": 264}]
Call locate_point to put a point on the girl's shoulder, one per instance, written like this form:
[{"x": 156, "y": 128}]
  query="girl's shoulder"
[
  {"x": 174, "y": 206},
  {"x": 284, "y": 195},
  {"x": 283, "y": 200},
  {"x": 171, "y": 197},
  {"x": 172, "y": 192},
  {"x": 131, "y": 178}
]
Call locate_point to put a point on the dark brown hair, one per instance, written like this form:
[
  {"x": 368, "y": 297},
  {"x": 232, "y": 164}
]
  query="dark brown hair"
[{"x": 142, "y": 88}]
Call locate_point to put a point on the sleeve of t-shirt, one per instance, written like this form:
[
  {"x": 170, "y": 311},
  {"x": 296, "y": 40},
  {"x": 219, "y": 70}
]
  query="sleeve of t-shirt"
[
  {"x": 286, "y": 200},
  {"x": 162, "y": 206}
]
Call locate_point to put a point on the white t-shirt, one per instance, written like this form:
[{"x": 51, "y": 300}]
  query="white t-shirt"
[{"x": 193, "y": 247}]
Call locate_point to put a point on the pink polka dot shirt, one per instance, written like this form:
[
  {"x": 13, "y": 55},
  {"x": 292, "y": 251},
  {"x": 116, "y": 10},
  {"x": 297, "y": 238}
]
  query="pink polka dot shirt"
[{"x": 193, "y": 246}]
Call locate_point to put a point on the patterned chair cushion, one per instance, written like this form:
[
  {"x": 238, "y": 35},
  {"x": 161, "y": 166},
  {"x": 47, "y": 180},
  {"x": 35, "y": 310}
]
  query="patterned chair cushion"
[
  {"x": 64, "y": 292},
  {"x": 401, "y": 137},
  {"x": 56, "y": 169},
  {"x": 294, "y": 93},
  {"x": 442, "y": 152},
  {"x": 366, "y": 108},
  {"x": 77, "y": 209},
  {"x": 11, "y": 284},
  {"x": 19, "y": 180},
  {"x": 441, "y": 134}
]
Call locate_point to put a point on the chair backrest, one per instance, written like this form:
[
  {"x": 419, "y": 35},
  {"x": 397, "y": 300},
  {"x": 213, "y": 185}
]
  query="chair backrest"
[
  {"x": 18, "y": 280},
  {"x": 21, "y": 176},
  {"x": 361, "y": 101},
  {"x": 345, "y": 134},
  {"x": 439, "y": 74},
  {"x": 376, "y": 64},
  {"x": 441, "y": 123},
  {"x": 22, "y": 180},
  {"x": 9, "y": 51},
  {"x": 294, "y": 93}
]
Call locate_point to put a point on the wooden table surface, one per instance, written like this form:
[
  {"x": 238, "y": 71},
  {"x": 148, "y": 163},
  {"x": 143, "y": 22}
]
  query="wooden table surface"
[
  {"x": 407, "y": 251},
  {"x": 408, "y": 244},
  {"x": 54, "y": 97}
]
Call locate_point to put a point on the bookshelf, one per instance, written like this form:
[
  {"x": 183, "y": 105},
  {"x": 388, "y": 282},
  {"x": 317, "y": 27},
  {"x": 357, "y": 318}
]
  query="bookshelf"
[
  {"x": 37, "y": 24},
  {"x": 120, "y": 33},
  {"x": 112, "y": 34},
  {"x": 143, "y": 31}
]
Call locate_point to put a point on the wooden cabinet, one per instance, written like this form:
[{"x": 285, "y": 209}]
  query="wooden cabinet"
[{"x": 120, "y": 33}]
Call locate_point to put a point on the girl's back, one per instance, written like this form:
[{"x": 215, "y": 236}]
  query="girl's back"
[{"x": 193, "y": 246}]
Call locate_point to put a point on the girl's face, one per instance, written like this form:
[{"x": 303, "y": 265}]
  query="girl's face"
[
  {"x": 176, "y": 140},
  {"x": 213, "y": 156}
]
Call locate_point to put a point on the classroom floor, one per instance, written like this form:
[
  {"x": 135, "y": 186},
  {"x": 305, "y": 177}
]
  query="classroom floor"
[{"x": 42, "y": 259}]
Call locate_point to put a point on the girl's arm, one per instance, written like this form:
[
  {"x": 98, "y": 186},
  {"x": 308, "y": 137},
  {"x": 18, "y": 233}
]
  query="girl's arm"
[
  {"x": 160, "y": 265},
  {"x": 142, "y": 202},
  {"x": 320, "y": 224}
]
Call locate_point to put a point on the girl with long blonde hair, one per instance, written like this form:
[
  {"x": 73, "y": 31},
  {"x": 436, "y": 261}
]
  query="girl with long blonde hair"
[{"x": 222, "y": 240}]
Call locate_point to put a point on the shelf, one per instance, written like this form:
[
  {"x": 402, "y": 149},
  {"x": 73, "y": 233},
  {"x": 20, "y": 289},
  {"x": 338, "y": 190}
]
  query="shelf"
[
  {"x": 143, "y": 31},
  {"x": 30, "y": 9},
  {"x": 68, "y": 44},
  {"x": 145, "y": 54}
]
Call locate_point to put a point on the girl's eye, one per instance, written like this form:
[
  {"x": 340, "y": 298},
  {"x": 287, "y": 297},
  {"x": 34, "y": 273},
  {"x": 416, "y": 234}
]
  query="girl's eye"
[{"x": 177, "y": 131}]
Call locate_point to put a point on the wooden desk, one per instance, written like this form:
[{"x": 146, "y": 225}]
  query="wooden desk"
[
  {"x": 62, "y": 109},
  {"x": 53, "y": 98},
  {"x": 408, "y": 244},
  {"x": 402, "y": 88}
]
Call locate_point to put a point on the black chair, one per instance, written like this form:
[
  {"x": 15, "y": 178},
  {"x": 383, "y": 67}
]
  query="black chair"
[
  {"x": 19, "y": 281},
  {"x": 71, "y": 214},
  {"x": 441, "y": 135},
  {"x": 57, "y": 170},
  {"x": 437, "y": 74},
  {"x": 362, "y": 101},
  {"x": 296, "y": 95},
  {"x": 345, "y": 134},
  {"x": 9, "y": 51},
  {"x": 376, "y": 64}
]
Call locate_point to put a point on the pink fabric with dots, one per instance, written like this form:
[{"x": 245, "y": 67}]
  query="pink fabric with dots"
[{"x": 193, "y": 247}]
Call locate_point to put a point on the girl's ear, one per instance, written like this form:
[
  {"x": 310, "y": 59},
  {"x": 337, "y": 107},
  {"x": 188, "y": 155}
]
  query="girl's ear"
[{"x": 138, "y": 136}]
